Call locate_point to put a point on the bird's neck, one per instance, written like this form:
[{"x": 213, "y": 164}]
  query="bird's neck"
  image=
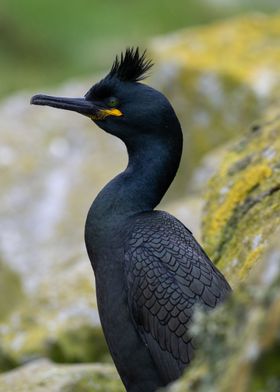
[
  {"x": 152, "y": 166},
  {"x": 151, "y": 169}
]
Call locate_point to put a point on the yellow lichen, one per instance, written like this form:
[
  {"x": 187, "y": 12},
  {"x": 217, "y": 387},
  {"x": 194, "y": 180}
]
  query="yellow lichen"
[
  {"x": 217, "y": 96},
  {"x": 247, "y": 181},
  {"x": 31, "y": 341},
  {"x": 250, "y": 261},
  {"x": 243, "y": 209},
  {"x": 199, "y": 48}
]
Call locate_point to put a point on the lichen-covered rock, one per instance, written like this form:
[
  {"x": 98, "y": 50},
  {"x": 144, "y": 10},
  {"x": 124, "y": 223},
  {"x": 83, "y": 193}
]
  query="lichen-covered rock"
[
  {"x": 47, "y": 181},
  {"x": 43, "y": 376},
  {"x": 219, "y": 77},
  {"x": 51, "y": 165},
  {"x": 240, "y": 341},
  {"x": 58, "y": 321},
  {"x": 11, "y": 296},
  {"x": 243, "y": 200}
]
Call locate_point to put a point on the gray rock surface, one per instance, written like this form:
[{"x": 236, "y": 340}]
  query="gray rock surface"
[{"x": 44, "y": 376}]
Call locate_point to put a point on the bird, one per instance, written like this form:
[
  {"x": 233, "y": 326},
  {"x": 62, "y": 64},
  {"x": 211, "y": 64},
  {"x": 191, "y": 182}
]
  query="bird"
[{"x": 150, "y": 271}]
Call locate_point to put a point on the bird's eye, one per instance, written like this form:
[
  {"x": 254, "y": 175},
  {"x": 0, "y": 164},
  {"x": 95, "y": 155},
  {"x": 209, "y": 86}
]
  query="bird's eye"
[{"x": 112, "y": 102}]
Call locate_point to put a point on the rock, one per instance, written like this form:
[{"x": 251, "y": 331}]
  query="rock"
[
  {"x": 239, "y": 342},
  {"x": 44, "y": 376},
  {"x": 243, "y": 200},
  {"x": 53, "y": 163},
  {"x": 219, "y": 78},
  {"x": 208, "y": 166},
  {"x": 189, "y": 211},
  {"x": 52, "y": 166},
  {"x": 59, "y": 320}
]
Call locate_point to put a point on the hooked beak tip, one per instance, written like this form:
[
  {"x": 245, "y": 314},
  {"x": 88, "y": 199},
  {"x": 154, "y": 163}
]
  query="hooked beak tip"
[{"x": 35, "y": 99}]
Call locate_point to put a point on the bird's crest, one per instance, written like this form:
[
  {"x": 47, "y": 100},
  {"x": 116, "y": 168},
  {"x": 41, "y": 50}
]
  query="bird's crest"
[{"x": 131, "y": 66}]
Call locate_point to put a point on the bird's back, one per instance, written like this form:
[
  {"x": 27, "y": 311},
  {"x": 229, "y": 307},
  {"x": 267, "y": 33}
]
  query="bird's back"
[{"x": 167, "y": 274}]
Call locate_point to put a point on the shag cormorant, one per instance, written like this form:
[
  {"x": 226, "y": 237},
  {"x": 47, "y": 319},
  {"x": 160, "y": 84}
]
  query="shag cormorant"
[{"x": 150, "y": 271}]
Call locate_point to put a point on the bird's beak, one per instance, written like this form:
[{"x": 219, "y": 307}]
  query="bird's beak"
[{"x": 79, "y": 105}]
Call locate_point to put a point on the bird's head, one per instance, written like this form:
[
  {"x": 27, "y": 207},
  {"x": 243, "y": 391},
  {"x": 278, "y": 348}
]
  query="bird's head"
[{"x": 119, "y": 104}]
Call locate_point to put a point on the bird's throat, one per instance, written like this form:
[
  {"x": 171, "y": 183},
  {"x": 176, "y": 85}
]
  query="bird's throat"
[{"x": 151, "y": 168}]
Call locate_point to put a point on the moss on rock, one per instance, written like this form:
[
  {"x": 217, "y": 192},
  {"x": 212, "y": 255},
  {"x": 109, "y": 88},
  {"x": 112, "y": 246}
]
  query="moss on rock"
[
  {"x": 243, "y": 200},
  {"x": 239, "y": 342},
  {"x": 84, "y": 345},
  {"x": 59, "y": 321}
]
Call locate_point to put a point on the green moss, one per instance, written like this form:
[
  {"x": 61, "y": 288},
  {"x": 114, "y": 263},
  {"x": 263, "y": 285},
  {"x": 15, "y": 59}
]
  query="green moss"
[
  {"x": 10, "y": 290},
  {"x": 266, "y": 371},
  {"x": 69, "y": 345},
  {"x": 6, "y": 362},
  {"x": 11, "y": 296},
  {"x": 88, "y": 345}
]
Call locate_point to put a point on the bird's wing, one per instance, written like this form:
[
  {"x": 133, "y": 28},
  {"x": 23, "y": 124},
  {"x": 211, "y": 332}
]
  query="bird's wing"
[{"x": 167, "y": 274}]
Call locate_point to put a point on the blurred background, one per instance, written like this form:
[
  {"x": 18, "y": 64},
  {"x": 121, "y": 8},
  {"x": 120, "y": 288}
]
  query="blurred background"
[
  {"x": 43, "y": 43},
  {"x": 218, "y": 61}
]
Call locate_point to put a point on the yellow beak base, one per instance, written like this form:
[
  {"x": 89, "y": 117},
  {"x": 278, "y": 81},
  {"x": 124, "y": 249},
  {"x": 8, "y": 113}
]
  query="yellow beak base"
[{"x": 103, "y": 113}]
